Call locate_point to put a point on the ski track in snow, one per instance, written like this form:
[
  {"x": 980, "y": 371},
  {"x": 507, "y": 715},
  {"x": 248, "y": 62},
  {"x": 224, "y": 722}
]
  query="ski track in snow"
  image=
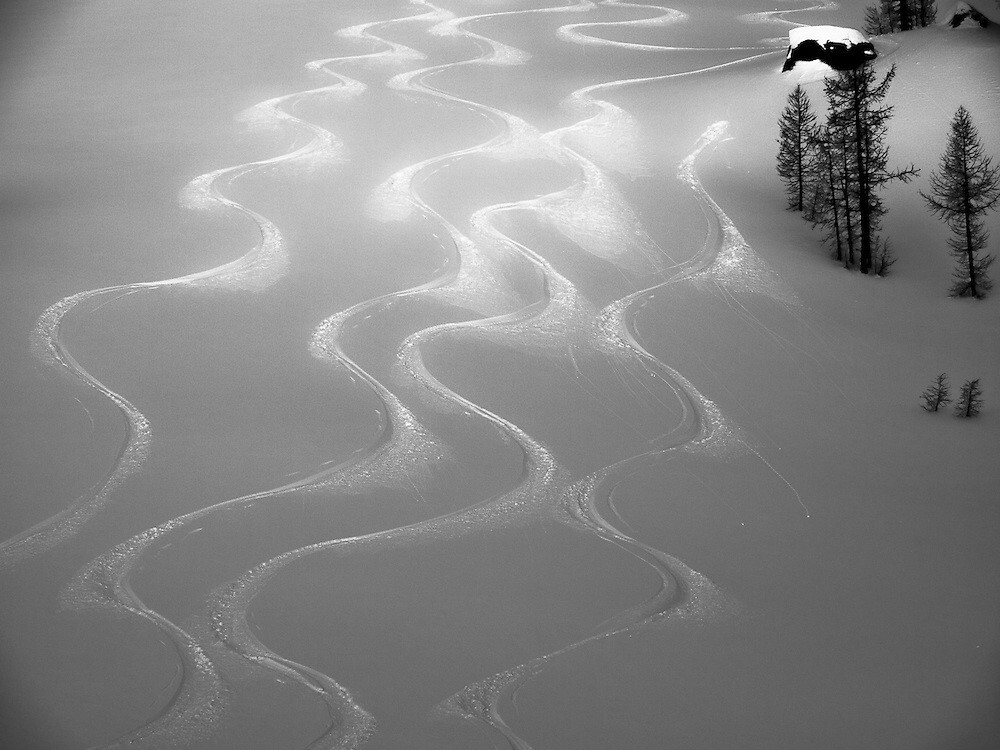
[
  {"x": 257, "y": 269},
  {"x": 778, "y": 16},
  {"x": 574, "y": 32},
  {"x": 200, "y": 697},
  {"x": 591, "y": 213}
]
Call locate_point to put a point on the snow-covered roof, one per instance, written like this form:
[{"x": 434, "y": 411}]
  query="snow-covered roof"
[
  {"x": 823, "y": 34},
  {"x": 835, "y": 47}
]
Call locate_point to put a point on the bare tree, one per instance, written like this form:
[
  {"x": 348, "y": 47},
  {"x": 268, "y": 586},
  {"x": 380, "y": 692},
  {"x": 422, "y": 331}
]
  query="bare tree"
[{"x": 884, "y": 257}]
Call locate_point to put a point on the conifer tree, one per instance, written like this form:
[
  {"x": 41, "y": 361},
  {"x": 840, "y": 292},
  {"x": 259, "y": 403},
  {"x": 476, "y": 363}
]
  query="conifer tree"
[
  {"x": 794, "y": 146},
  {"x": 882, "y": 18},
  {"x": 889, "y": 16},
  {"x": 846, "y": 195},
  {"x": 822, "y": 184},
  {"x": 937, "y": 393},
  {"x": 856, "y": 110},
  {"x": 833, "y": 203},
  {"x": 926, "y": 13},
  {"x": 876, "y": 21},
  {"x": 964, "y": 188},
  {"x": 970, "y": 400},
  {"x": 905, "y": 17}
]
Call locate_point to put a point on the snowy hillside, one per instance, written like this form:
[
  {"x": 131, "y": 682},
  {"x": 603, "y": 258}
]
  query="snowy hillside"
[{"x": 448, "y": 375}]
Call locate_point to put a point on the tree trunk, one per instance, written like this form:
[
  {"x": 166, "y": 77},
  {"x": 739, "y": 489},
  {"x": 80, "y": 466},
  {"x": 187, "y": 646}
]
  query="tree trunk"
[
  {"x": 800, "y": 166},
  {"x": 848, "y": 224},
  {"x": 967, "y": 209},
  {"x": 905, "y": 22},
  {"x": 845, "y": 190},
  {"x": 864, "y": 189},
  {"x": 833, "y": 204}
]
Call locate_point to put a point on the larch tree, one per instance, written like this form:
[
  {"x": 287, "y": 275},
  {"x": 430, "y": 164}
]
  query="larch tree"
[
  {"x": 966, "y": 186},
  {"x": 833, "y": 206},
  {"x": 926, "y": 13},
  {"x": 936, "y": 394},
  {"x": 794, "y": 146},
  {"x": 877, "y": 21},
  {"x": 856, "y": 110},
  {"x": 970, "y": 399},
  {"x": 905, "y": 17},
  {"x": 889, "y": 16},
  {"x": 821, "y": 184}
]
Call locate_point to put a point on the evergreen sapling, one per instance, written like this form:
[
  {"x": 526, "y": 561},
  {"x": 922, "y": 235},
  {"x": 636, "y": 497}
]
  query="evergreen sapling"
[
  {"x": 970, "y": 400},
  {"x": 937, "y": 393}
]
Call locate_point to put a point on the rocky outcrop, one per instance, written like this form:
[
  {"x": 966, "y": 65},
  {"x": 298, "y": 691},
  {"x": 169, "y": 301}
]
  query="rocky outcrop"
[
  {"x": 840, "y": 48},
  {"x": 964, "y": 15}
]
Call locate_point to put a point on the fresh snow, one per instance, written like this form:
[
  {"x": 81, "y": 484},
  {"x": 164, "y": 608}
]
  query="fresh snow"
[
  {"x": 826, "y": 47},
  {"x": 335, "y": 459},
  {"x": 823, "y": 34}
]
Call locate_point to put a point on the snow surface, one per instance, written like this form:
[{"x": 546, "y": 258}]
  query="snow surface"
[{"x": 489, "y": 395}]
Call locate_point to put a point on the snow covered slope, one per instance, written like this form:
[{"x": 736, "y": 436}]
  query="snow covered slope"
[
  {"x": 892, "y": 463},
  {"x": 546, "y": 344}
]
